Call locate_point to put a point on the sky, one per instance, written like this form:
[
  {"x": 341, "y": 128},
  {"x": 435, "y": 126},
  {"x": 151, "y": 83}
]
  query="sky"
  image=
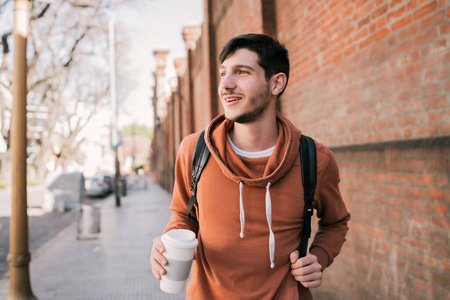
[{"x": 153, "y": 24}]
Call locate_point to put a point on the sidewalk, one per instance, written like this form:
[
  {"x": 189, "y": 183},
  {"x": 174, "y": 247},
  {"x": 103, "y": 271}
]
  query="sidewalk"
[{"x": 113, "y": 266}]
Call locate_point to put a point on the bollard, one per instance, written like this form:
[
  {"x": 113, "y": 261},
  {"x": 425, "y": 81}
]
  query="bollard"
[
  {"x": 123, "y": 185},
  {"x": 89, "y": 221}
]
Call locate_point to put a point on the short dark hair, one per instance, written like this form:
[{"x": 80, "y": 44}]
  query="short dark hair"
[{"x": 273, "y": 56}]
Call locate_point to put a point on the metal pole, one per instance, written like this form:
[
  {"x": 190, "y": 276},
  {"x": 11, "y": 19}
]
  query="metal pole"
[
  {"x": 19, "y": 256},
  {"x": 114, "y": 137}
]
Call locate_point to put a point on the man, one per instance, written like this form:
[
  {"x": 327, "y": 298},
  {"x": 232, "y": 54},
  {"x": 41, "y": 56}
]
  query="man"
[{"x": 250, "y": 198}]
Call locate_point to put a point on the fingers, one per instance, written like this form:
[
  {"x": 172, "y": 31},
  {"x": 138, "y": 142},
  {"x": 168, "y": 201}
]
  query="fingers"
[
  {"x": 294, "y": 256},
  {"x": 307, "y": 271},
  {"x": 157, "y": 260},
  {"x": 311, "y": 284},
  {"x": 309, "y": 277}
]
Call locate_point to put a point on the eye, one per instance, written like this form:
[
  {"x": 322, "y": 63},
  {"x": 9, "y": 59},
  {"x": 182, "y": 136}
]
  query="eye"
[
  {"x": 222, "y": 74},
  {"x": 241, "y": 72}
]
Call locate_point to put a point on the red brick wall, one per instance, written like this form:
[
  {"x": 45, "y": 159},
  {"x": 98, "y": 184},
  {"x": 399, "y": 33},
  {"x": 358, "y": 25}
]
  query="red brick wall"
[
  {"x": 201, "y": 84},
  {"x": 398, "y": 243},
  {"x": 367, "y": 71},
  {"x": 235, "y": 17}
]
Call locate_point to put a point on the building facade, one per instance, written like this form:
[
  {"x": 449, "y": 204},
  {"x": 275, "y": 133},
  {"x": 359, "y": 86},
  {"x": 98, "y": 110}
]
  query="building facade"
[{"x": 371, "y": 80}]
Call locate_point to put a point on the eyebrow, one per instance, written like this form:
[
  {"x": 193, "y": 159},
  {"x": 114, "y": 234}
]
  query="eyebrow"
[{"x": 239, "y": 67}]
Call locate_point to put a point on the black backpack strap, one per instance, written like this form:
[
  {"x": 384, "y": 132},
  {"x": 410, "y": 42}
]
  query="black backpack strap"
[
  {"x": 309, "y": 178},
  {"x": 201, "y": 155}
]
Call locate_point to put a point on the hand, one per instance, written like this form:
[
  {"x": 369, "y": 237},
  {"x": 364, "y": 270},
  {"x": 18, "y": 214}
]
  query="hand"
[
  {"x": 157, "y": 260},
  {"x": 306, "y": 270}
]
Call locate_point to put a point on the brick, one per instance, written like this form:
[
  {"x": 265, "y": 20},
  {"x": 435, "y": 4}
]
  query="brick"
[
  {"x": 433, "y": 20},
  {"x": 441, "y": 222},
  {"x": 441, "y": 279},
  {"x": 418, "y": 218},
  {"x": 447, "y": 85},
  {"x": 415, "y": 192},
  {"x": 396, "y": 2},
  {"x": 442, "y": 209},
  {"x": 418, "y": 244},
  {"x": 444, "y": 129},
  {"x": 429, "y": 260},
  {"x": 432, "y": 117},
  {"x": 397, "y": 13},
  {"x": 436, "y": 165},
  {"x": 440, "y": 180},
  {"x": 441, "y": 251},
  {"x": 432, "y": 129},
  {"x": 416, "y": 294},
  {"x": 429, "y": 63},
  {"x": 348, "y": 12},
  {"x": 411, "y": 5},
  {"x": 427, "y": 179},
  {"x": 413, "y": 29},
  {"x": 440, "y": 46},
  {"x": 425, "y": 10},
  {"x": 444, "y": 28},
  {"x": 349, "y": 51},
  {"x": 442, "y": 73},
  {"x": 394, "y": 214},
  {"x": 402, "y": 23},
  {"x": 381, "y": 34},
  {"x": 365, "y": 43},
  {"x": 419, "y": 284},
  {"x": 445, "y": 266},
  {"x": 414, "y": 165},
  {"x": 426, "y": 37},
  {"x": 436, "y": 194},
  {"x": 364, "y": 21}
]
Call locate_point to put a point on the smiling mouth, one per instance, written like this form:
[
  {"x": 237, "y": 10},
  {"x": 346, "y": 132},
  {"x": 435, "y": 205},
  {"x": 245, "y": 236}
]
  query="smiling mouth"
[{"x": 229, "y": 100}]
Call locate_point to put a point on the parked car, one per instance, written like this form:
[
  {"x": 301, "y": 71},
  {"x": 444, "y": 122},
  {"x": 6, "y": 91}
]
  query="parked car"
[
  {"x": 96, "y": 186},
  {"x": 65, "y": 192},
  {"x": 108, "y": 179}
]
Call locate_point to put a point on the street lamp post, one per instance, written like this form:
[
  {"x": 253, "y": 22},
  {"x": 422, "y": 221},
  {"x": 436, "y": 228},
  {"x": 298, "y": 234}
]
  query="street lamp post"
[
  {"x": 19, "y": 255},
  {"x": 114, "y": 111}
]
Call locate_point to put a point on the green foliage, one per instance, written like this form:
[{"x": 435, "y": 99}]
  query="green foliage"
[
  {"x": 3, "y": 184},
  {"x": 134, "y": 129},
  {"x": 34, "y": 181},
  {"x": 138, "y": 167}
]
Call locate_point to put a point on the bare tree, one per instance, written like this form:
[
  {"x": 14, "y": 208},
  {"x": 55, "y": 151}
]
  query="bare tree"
[{"x": 67, "y": 74}]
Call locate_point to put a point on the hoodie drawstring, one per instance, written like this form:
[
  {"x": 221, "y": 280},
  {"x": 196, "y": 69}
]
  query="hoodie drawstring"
[
  {"x": 269, "y": 222},
  {"x": 269, "y": 219},
  {"x": 241, "y": 208}
]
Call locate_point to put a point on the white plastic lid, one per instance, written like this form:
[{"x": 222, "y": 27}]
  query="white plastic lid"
[{"x": 180, "y": 238}]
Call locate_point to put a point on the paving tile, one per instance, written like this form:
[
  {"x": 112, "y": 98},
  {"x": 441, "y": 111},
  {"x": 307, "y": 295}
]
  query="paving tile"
[{"x": 115, "y": 264}]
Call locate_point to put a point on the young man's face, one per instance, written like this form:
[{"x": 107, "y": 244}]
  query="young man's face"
[{"x": 243, "y": 88}]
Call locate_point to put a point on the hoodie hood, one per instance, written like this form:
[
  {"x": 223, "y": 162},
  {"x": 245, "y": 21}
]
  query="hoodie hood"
[{"x": 279, "y": 163}]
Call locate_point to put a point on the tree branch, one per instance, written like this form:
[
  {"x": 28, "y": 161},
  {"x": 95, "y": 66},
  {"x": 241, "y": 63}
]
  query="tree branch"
[
  {"x": 74, "y": 47},
  {"x": 5, "y": 42},
  {"x": 41, "y": 14}
]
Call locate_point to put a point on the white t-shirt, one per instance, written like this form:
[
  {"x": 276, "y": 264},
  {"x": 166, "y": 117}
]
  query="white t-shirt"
[{"x": 248, "y": 154}]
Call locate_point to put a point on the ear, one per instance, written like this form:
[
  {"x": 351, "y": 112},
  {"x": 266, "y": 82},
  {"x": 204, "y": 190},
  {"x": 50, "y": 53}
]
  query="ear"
[{"x": 277, "y": 83}]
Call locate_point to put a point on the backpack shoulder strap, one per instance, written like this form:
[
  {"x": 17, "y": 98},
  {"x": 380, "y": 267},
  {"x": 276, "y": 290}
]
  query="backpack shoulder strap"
[
  {"x": 201, "y": 156},
  {"x": 309, "y": 178}
]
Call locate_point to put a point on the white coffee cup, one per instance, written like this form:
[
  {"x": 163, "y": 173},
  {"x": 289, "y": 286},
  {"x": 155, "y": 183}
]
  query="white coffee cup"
[{"x": 180, "y": 246}]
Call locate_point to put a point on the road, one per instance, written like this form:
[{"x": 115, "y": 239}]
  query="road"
[{"x": 42, "y": 226}]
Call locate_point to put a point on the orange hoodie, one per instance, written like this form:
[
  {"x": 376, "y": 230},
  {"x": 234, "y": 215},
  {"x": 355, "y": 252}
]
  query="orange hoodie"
[{"x": 250, "y": 214}]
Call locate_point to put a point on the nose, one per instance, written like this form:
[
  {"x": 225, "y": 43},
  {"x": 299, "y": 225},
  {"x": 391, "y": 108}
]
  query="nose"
[{"x": 227, "y": 82}]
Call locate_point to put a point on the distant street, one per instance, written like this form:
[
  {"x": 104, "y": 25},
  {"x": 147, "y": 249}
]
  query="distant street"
[{"x": 42, "y": 226}]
